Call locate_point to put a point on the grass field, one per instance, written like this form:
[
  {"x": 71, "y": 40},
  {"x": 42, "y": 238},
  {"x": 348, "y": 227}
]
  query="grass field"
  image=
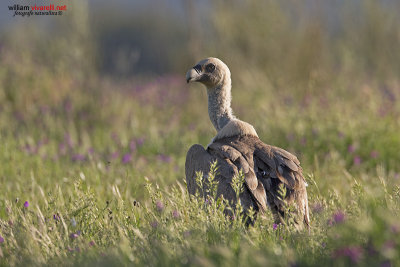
[{"x": 92, "y": 168}]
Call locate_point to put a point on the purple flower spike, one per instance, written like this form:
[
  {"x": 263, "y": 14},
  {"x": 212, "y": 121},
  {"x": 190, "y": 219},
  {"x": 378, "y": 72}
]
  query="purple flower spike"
[
  {"x": 357, "y": 160},
  {"x": 1, "y": 239},
  {"x": 73, "y": 236},
  {"x": 351, "y": 148},
  {"x": 126, "y": 158},
  {"x": 114, "y": 155},
  {"x": 154, "y": 224},
  {"x": 159, "y": 206},
  {"x": 176, "y": 214},
  {"x": 354, "y": 253},
  {"x": 140, "y": 141},
  {"x": 164, "y": 158},
  {"x": 78, "y": 157},
  {"x": 374, "y": 154},
  {"x": 26, "y": 204},
  {"x": 274, "y": 226},
  {"x": 339, "y": 217}
]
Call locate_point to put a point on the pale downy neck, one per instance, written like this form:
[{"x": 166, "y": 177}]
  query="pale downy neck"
[{"x": 219, "y": 104}]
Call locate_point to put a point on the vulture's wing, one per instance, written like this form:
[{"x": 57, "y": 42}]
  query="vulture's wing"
[
  {"x": 275, "y": 166},
  {"x": 265, "y": 169},
  {"x": 230, "y": 162}
]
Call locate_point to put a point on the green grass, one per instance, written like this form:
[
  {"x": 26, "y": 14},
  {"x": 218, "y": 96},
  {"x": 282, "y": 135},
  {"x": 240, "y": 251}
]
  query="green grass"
[{"x": 88, "y": 206}]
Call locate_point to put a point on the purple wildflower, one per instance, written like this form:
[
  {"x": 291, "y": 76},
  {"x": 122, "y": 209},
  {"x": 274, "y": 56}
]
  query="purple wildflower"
[
  {"x": 395, "y": 229},
  {"x": 56, "y": 217},
  {"x": 1, "y": 239},
  {"x": 164, "y": 158},
  {"x": 374, "y": 154},
  {"x": 340, "y": 135},
  {"x": 176, "y": 214},
  {"x": 73, "y": 222},
  {"x": 339, "y": 217},
  {"x": 154, "y": 224},
  {"x": 352, "y": 252},
  {"x": 91, "y": 151},
  {"x": 351, "y": 148},
  {"x": 126, "y": 158},
  {"x": 140, "y": 141},
  {"x": 274, "y": 226},
  {"x": 73, "y": 236},
  {"x": 159, "y": 206},
  {"x": 390, "y": 244},
  {"x": 92, "y": 243},
  {"x": 114, "y": 155},
  {"x": 26, "y": 204},
  {"x": 357, "y": 160},
  {"x": 78, "y": 157}
]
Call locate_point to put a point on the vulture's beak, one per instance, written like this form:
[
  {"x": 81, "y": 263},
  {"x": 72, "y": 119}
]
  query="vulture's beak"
[{"x": 193, "y": 74}]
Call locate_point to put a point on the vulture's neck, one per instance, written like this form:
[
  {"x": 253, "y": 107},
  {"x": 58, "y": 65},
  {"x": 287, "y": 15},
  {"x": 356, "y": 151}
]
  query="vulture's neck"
[{"x": 219, "y": 104}]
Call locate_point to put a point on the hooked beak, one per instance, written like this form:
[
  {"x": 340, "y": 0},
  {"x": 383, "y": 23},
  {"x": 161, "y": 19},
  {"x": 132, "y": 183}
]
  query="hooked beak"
[{"x": 193, "y": 75}]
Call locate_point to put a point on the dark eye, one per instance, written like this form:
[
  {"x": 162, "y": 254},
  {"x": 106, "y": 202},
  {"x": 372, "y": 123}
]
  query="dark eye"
[
  {"x": 197, "y": 68},
  {"x": 210, "y": 67}
]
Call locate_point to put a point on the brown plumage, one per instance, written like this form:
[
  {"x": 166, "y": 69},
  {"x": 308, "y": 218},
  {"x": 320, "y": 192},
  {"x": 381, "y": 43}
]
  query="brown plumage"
[{"x": 237, "y": 147}]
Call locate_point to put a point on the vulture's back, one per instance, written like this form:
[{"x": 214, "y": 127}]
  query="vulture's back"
[{"x": 266, "y": 169}]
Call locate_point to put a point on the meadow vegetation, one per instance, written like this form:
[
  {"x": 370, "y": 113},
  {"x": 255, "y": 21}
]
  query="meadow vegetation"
[{"x": 92, "y": 165}]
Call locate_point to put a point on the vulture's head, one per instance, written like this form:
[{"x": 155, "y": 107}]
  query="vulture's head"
[{"x": 210, "y": 71}]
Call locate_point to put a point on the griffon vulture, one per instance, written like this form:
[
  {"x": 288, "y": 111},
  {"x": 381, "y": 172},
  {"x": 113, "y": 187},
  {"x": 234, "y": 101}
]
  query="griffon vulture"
[{"x": 236, "y": 146}]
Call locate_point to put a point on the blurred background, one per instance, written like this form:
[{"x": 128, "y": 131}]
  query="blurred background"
[{"x": 104, "y": 83}]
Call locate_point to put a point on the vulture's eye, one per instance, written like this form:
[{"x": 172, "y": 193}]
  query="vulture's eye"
[
  {"x": 197, "y": 68},
  {"x": 210, "y": 67}
]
